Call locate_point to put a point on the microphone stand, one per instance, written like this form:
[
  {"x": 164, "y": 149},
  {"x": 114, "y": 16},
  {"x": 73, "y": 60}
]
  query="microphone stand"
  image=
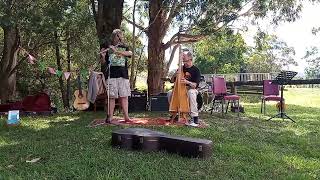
[{"x": 107, "y": 120}]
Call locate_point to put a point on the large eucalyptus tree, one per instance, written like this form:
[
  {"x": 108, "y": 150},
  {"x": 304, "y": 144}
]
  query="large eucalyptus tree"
[
  {"x": 108, "y": 16},
  {"x": 199, "y": 19}
]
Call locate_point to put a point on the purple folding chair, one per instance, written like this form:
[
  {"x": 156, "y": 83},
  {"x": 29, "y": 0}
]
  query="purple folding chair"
[
  {"x": 219, "y": 90},
  {"x": 270, "y": 93}
]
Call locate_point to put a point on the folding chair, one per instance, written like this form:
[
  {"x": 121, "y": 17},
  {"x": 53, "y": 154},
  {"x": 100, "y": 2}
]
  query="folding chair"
[
  {"x": 219, "y": 91},
  {"x": 270, "y": 93}
]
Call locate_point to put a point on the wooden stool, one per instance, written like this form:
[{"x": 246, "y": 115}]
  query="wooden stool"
[{"x": 100, "y": 101}]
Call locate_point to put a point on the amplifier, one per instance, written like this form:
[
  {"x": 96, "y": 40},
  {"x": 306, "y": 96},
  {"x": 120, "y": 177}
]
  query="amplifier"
[
  {"x": 137, "y": 102},
  {"x": 159, "y": 103}
]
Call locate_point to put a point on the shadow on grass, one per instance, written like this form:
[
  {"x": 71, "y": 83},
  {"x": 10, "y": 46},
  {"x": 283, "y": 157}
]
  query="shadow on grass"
[{"x": 249, "y": 148}]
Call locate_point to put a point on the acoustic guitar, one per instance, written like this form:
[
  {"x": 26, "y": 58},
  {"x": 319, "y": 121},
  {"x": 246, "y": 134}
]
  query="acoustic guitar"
[{"x": 81, "y": 102}]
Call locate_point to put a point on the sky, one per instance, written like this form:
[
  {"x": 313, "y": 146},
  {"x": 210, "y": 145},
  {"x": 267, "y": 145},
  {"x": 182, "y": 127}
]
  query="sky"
[{"x": 296, "y": 34}]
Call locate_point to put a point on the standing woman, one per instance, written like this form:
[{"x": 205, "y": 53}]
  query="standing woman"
[{"x": 116, "y": 58}]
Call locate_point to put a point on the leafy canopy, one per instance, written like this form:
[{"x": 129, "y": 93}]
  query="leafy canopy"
[{"x": 220, "y": 54}]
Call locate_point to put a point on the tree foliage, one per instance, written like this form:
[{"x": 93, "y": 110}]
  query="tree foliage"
[
  {"x": 72, "y": 22},
  {"x": 312, "y": 57},
  {"x": 67, "y": 34},
  {"x": 269, "y": 54},
  {"x": 220, "y": 54},
  {"x": 77, "y": 41},
  {"x": 199, "y": 19}
]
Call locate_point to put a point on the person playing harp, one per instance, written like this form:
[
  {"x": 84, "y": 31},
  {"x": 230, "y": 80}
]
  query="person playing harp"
[{"x": 191, "y": 81}]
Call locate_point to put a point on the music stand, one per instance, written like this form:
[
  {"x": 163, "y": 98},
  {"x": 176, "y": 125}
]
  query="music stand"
[{"x": 283, "y": 78}]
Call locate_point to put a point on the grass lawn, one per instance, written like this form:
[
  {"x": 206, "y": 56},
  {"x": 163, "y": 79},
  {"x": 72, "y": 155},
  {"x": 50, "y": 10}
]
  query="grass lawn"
[{"x": 251, "y": 148}]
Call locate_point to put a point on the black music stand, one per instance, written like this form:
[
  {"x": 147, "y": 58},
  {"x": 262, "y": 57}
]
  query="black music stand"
[{"x": 283, "y": 78}]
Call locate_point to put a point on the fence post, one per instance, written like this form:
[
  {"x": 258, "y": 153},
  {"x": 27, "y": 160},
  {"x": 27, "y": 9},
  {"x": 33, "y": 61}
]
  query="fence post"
[{"x": 233, "y": 88}]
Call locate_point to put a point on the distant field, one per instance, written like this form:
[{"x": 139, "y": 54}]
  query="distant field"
[{"x": 309, "y": 97}]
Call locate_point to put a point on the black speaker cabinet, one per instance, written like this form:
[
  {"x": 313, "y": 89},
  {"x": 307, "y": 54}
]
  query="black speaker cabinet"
[
  {"x": 137, "y": 102},
  {"x": 159, "y": 103}
]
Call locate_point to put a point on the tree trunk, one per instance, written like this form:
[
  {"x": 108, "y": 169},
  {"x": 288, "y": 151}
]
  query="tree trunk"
[
  {"x": 133, "y": 62},
  {"x": 108, "y": 18},
  {"x": 61, "y": 85},
  {"x": 69, "y": 68},
  {"x": 138, "y": 63},
  {"x": 156, "y": 53},
  {"x": 8, "y": 63},
  {"x": 155, "y": 67}
]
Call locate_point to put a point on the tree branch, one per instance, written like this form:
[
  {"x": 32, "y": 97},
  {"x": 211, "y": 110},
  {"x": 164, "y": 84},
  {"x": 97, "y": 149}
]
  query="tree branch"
[
  {"x": 18, "y": 63},
  {"x": 187, "y": 38},
  {"x": 136, "y": 25},
  {"x": 250, "y": 11},
  {"x": 171, "y": 58},
  {"x": 170, "y": 42},
  {"x": 16, "y": 67},
  {"x": 184, "y": 38},
  {"x": 93, "y": 6},
  {"x": 173, "y": 12},
  {"x": 189, "y": 41}
]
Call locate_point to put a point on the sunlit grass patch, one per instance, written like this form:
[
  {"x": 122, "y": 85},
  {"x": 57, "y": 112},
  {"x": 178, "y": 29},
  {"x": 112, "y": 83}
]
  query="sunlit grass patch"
[
  {"x": 309, "y": 165},
  {"x": 249, "y": 148}
]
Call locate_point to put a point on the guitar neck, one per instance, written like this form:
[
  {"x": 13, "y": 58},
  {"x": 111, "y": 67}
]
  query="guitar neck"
[{"x": 79, "y": 86}]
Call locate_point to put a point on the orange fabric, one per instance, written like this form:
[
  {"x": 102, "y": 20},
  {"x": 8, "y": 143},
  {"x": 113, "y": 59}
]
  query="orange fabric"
[{"x": 141, "y": 122}]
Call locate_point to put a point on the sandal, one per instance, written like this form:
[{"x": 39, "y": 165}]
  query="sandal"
[{"x": 107, "y": 120}]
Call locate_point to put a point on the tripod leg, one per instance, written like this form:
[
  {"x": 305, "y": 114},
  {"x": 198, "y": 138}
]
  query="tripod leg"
[
  {"x": 222, "y": 109},
  {"x": 108, "y": 120},
  {"x": 238, "y": 108},
  {"x": 277, "y": 115},
  {"x": 227, "y": 106},
  {"x": 288, "y": 117},
  {"x": 213, "y": 103}
]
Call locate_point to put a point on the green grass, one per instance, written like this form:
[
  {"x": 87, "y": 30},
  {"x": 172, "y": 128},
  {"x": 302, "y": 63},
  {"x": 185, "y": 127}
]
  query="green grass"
[{"x": 251, "y": 148}]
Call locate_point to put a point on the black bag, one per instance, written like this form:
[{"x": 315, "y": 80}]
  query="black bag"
[{"x": 235, "y": 109}]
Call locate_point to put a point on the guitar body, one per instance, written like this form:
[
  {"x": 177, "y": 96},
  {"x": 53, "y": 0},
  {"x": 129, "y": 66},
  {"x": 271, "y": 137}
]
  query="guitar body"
[{"x": 81, "y": 102}]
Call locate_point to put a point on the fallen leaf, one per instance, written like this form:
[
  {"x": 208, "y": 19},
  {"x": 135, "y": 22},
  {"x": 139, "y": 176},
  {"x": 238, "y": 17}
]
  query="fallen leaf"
[
  {"x": 10, "y": 166},
  {"x": 33, "y": 160}
]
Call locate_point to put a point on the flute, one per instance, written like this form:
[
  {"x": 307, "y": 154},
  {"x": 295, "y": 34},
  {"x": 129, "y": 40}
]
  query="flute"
[
  {"x": 108, "y": 49},
  {"x": 105, "y": 50}
]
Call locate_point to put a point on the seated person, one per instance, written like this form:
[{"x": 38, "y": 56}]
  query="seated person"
[{"x": 192, "y": 80}]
